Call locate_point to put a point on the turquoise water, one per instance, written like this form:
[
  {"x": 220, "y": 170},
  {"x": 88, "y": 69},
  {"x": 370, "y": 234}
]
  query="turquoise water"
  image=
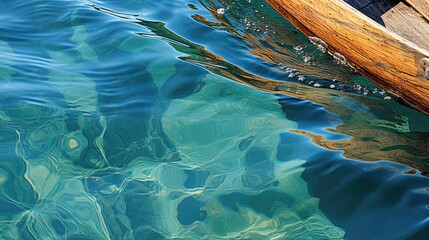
[{"x": 167, "y": 120}]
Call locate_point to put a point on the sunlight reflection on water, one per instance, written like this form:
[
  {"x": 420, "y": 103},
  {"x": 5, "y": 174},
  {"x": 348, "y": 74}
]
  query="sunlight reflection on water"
[{"x": 157, "y": 120}]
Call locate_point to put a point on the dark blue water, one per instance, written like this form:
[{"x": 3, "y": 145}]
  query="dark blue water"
[{"x": 196, "y": 120}]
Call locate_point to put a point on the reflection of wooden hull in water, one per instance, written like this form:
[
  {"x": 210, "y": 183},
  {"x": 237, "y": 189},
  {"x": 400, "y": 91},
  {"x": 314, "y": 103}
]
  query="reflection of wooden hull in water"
[{"x": 390, "y": 44}]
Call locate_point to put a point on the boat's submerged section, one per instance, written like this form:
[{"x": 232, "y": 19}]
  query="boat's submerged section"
[{"x": 387, "y": 40}]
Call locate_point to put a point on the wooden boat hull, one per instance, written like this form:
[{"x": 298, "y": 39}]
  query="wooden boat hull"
[{"x": 391, "y": 61}]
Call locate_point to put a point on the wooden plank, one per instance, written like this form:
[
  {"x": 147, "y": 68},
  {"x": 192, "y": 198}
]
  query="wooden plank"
[
  {"x": 406, "y": 22},
  {"x": 388, "y": 59},
  {"x": 422, "y": 7}
]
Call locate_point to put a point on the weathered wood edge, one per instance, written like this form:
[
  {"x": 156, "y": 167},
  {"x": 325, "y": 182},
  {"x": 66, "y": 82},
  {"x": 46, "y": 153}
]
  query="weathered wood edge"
[
  {"x": 421, "y": 6},
  {"x": 406, "y": 81},
  {"x": 405, "y": 21}
]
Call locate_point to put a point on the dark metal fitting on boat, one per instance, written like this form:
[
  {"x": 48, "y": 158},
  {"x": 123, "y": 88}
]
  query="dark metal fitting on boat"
[{"x": 425, "y": 66}]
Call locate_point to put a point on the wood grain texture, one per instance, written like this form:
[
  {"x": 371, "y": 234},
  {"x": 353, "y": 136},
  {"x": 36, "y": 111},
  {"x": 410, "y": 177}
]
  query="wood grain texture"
[
  {"x": 422, "y": 6},
  {"x": 383, "y": 56},
  {"x": 408, "y": 23}
]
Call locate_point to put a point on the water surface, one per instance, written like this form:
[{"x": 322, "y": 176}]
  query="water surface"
[{"x": 166, "y": 119}]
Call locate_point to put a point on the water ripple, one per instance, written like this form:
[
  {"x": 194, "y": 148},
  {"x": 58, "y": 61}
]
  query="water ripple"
[{"x": 166, "y": 119}]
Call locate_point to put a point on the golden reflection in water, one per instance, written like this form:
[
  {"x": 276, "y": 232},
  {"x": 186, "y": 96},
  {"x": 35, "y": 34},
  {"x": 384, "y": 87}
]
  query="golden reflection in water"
[
  {"x": 372, "y": 138},
  {"x": 360, "y": 147},
  {"x": 285, "y": 46}
]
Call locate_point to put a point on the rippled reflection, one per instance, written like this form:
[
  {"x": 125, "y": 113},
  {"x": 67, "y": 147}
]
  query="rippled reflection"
[{"x": 165, "y": 119}]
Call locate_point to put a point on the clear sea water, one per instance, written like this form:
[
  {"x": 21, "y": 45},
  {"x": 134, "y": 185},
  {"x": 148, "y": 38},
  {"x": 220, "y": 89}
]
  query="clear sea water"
[{"x": 174, "y": 119}]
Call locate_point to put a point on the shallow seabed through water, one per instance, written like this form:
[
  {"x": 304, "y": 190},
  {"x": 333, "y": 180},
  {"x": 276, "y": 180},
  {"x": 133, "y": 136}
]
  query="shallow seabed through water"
[{"x": 194, "y": 119}]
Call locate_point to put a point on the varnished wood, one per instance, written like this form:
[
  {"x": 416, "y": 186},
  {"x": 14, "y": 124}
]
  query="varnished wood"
[
  {"x": 421, "y": 6},
  {"x": 388, "y": 59}
]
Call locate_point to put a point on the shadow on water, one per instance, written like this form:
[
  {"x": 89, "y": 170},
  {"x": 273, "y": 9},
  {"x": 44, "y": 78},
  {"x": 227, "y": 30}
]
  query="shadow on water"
[
  {"x": 355, "y": 195},
  {"x": 256, "y": 40},
  {"x": 134, "y": 120},
  {"x": 357, "y": 118}
]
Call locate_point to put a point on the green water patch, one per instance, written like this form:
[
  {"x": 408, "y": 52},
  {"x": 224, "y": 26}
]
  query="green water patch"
[
  {"x": 228, "y": 138},
  {"x": 111, "y": 127},
  {"x": 228, "y": 182},
  {"x": 86, "y": 52}
]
